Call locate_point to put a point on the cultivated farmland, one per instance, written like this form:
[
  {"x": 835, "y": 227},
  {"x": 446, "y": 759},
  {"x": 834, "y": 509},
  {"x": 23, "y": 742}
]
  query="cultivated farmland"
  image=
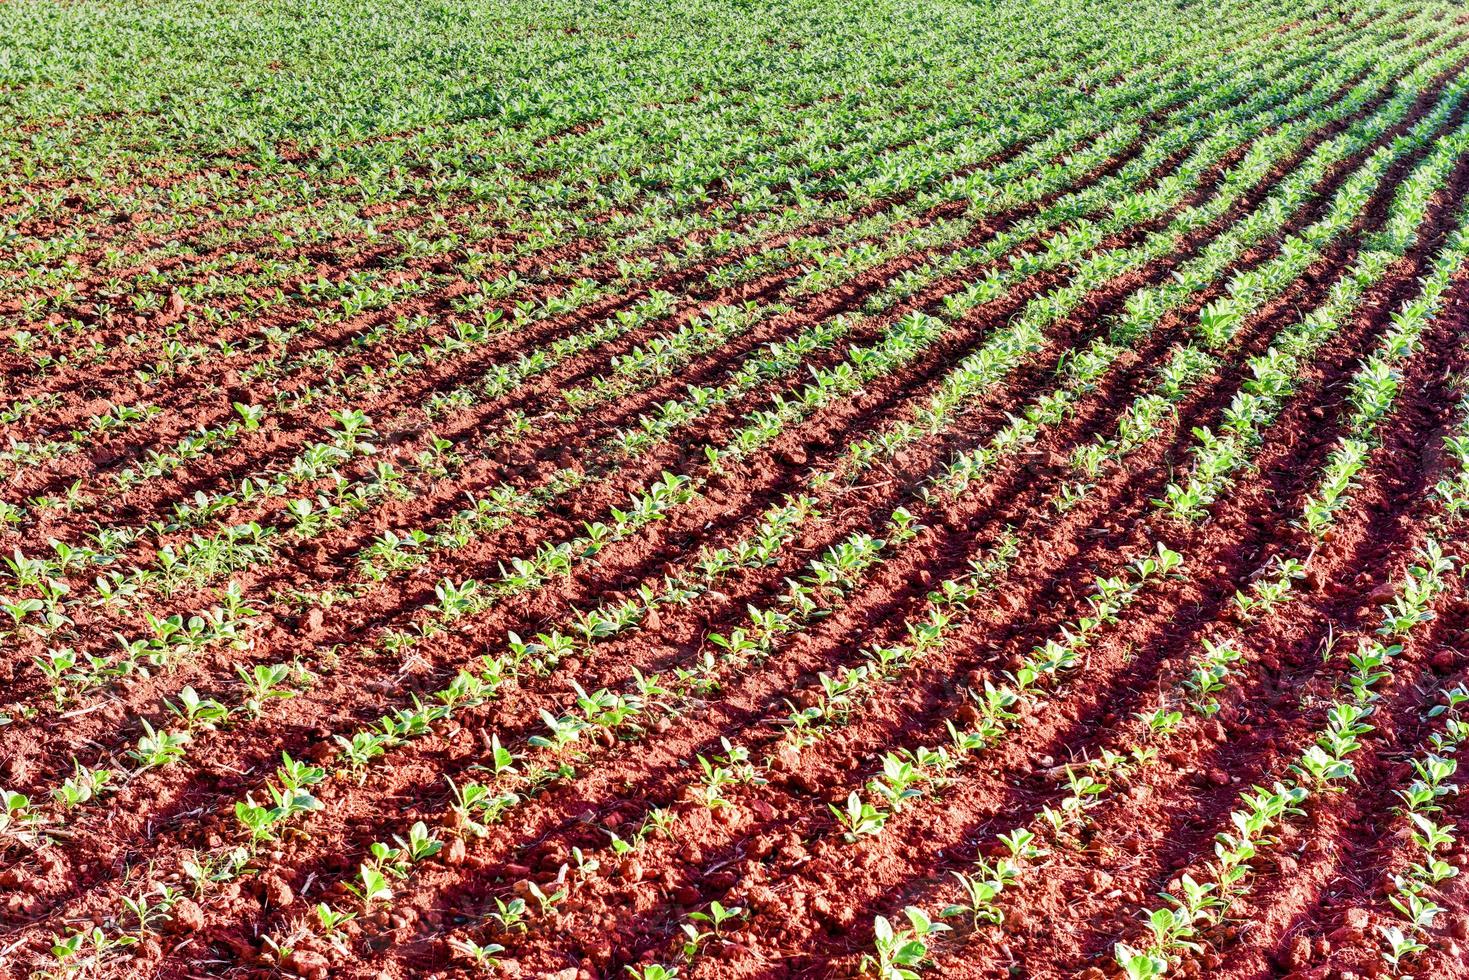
[{"x": 720, "y": 489}]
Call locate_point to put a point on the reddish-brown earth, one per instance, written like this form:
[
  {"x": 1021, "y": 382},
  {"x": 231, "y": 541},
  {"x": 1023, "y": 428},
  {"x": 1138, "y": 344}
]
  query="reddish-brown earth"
[{"x": 770, "y": 847}]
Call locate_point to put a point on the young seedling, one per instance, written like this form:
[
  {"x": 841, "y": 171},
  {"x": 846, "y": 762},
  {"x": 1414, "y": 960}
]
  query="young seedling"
[
  {"x": 483, "y": 956},
  {"x": 858, "y": 818},
  {"x": 900, "y": 953}
]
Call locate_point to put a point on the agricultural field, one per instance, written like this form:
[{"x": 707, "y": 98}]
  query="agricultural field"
[{"x": 734, "y": 489}]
